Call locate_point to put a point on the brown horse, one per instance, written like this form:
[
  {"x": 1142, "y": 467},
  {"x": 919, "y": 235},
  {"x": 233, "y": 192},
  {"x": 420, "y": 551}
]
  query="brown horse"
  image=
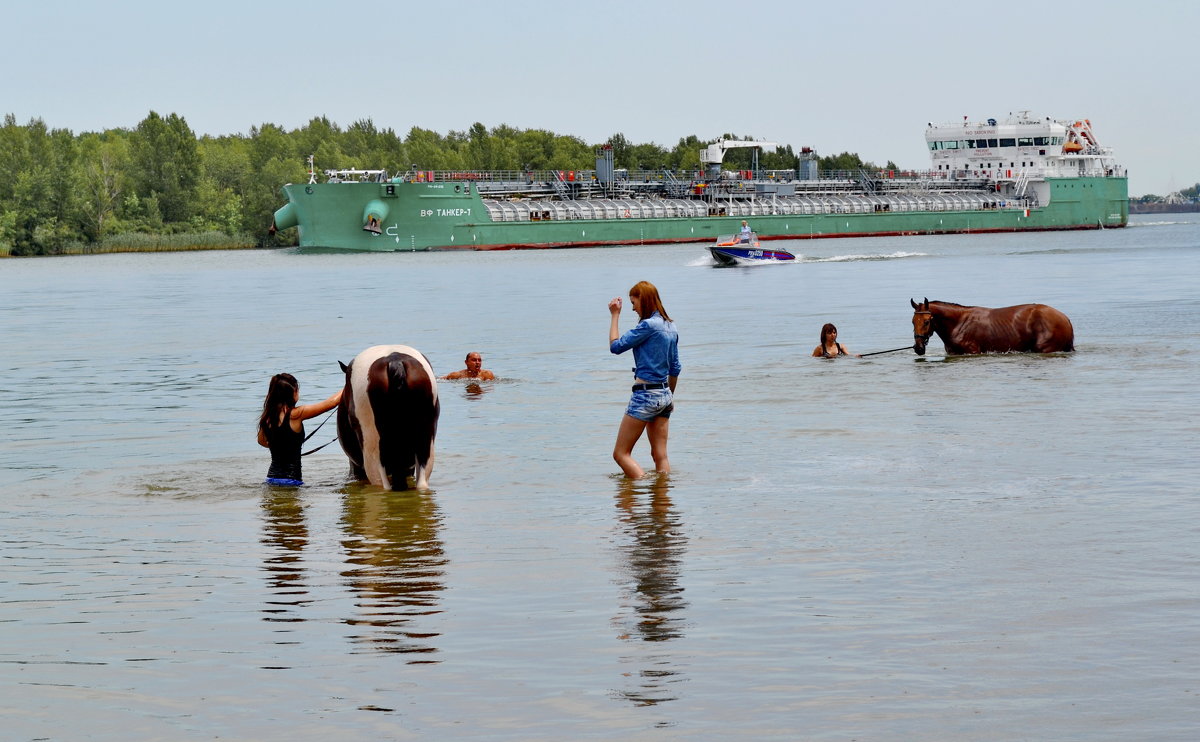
[{"x": 1025, "y": 328}]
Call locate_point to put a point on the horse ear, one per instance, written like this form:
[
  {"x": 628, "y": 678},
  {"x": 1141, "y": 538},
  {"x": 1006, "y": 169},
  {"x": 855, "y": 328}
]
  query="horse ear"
[
  {"x": 926, "y": 303},
  {"x": 345, "y": 368},
  {"x": 914, "y": 304}
]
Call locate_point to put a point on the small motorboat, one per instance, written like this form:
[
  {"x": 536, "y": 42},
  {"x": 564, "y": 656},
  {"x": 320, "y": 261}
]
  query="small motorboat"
[{"x": 730, "y": 249}]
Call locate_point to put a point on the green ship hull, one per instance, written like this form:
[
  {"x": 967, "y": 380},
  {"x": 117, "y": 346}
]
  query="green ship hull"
[
  {"x": 1026, "y": 173},
  {"x": 451, "y": 215}
]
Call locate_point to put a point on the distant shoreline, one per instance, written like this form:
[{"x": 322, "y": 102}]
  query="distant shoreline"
[
  {"x": 140, "y": 242},
  {"x": 1163, "y": 208}
]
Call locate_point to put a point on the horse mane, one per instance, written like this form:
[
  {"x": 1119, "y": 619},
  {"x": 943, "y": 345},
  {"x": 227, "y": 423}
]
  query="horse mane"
[{"x": 953, "y": 304}]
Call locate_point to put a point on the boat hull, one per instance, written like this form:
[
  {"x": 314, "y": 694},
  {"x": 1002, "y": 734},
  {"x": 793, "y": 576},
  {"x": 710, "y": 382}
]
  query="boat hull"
[
  {"x": 735, "y": 255},
  {"x": 413, "y": 216}
]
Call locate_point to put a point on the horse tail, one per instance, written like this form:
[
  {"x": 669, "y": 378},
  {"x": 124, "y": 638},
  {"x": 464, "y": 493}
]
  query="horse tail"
[{"x": 416, "y": 410}]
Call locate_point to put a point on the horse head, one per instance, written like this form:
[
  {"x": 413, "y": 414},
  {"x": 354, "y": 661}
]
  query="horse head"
[{"x": 922, "y": 325}]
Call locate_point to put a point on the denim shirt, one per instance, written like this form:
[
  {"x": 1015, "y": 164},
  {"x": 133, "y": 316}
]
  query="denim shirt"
[{"x": 655, "y": 345}]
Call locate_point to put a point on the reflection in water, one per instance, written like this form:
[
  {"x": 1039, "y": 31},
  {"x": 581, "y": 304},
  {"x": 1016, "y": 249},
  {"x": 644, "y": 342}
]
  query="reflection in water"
[
  {"x": 395, "y": 568},
  {"x": 285, "y": 531},
  {"x": 652, "y": 604}
]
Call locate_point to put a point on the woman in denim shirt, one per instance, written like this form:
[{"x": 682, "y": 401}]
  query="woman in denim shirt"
[{"x": 655, "y": 345}]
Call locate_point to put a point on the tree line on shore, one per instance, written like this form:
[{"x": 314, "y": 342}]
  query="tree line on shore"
[
  {"x": 1189, "y": 195},
  {"x": 159, "y": 186}
]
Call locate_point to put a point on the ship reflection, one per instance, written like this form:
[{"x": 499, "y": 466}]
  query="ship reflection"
[
  {"x": 285, "y": 533},
  {"x": 652, "y": 604},
  {"x": 395, "y": 564}
]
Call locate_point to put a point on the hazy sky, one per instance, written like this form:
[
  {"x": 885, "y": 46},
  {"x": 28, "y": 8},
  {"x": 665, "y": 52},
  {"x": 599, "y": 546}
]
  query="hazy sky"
[{"x": 862, "y": 77}]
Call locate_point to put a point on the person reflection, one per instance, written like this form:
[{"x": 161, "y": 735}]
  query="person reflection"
[
  {"x": 394, "y": 565},
  {"x": 652, "y": 607},
  {"x": 285, "y": 534}
]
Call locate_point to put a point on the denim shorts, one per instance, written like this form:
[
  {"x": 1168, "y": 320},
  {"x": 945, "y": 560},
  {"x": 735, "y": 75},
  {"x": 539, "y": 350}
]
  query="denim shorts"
[{"x": 647, "y": 404}]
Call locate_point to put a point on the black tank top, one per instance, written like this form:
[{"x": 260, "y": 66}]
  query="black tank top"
[{"x": 285, "y": 451}]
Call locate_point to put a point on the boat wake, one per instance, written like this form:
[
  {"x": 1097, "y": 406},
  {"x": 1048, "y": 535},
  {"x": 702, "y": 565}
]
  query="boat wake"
[
  {"x": 1157, "y": 224},
  {"x": 855, "y": 258},
  {"x": 710, "y": 263}
]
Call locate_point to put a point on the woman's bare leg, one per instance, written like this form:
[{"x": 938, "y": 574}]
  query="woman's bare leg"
[
  {"x": 628, "y": 434},
  {"x": 656, "y": 432}
]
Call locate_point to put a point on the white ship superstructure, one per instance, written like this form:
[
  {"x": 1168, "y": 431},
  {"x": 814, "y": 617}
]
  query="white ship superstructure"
[{"x": 1021, "y": 150}]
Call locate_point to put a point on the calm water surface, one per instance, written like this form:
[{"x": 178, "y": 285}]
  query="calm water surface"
[{"x": 891, "y": 548}]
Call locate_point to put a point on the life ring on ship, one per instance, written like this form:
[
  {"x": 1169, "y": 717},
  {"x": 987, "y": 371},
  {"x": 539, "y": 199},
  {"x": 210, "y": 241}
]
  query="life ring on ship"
[{"x": 626, "y": 213}]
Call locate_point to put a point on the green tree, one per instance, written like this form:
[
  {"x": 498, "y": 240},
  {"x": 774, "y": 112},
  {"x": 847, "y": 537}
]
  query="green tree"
[
  {"x": 686, "y": 154},
  {"x": 166, "y": 164},
  {"x": 847, "y": 162},
  {"x": 104, "y": 166},
  {"x": 621, "y": 149}
]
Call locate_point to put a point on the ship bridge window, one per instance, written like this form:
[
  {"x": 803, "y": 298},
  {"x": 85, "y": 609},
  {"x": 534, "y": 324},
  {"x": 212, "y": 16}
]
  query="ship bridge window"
[
  {"x": 1025, "y": 142},
  {"x": 981, "y": 144},
  {"x": 993, "y": 142},
  {"x": 1041, "y": 141},
  {"x": 1008, "y": 142}
]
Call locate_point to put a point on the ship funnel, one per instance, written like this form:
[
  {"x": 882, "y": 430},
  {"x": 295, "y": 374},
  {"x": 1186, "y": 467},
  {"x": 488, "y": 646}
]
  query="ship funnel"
[{"x": 373, "y": 215}]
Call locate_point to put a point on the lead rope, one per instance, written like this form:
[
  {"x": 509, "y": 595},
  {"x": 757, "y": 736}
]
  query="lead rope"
[
  {"x": 310, "y": 435},
  {"x": 893, "y": 350}
]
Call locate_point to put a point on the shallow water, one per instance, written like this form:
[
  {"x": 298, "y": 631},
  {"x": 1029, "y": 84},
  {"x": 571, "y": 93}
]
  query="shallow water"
[{"x": 894, "y": 547}]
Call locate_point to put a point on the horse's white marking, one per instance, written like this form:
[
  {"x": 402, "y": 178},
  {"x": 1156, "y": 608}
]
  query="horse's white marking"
[{"x": 359, "y": 368}]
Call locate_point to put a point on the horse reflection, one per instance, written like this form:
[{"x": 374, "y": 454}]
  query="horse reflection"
[
  {"x": 395, "y": 563},
  {"x": 1024, "y": 328},
  {"x": 652, "y": 602},
  {"x": 286, "y": 533}
]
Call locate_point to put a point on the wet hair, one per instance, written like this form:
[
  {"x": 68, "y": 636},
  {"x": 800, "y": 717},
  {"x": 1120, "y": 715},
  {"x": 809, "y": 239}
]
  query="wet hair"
[
  {"x": 281, "y": 396},
  {"x": 825, "y": 330},
  {"x": 649, "y": 301}
]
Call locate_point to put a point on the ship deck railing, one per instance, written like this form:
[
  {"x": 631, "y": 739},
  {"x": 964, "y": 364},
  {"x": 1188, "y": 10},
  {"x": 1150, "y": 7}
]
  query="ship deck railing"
[
  {"x": 642, "y": 208},
  {"x": 666, "y": 177}
]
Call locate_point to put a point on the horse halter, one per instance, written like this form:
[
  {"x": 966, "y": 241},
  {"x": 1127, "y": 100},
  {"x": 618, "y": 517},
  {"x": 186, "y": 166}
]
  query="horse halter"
[{"x": 926, "y": 336}]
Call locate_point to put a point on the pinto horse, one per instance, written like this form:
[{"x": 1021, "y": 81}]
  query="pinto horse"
[
  {"x": 1024, "y": 328},
  {"x": 388, "y": 416}
]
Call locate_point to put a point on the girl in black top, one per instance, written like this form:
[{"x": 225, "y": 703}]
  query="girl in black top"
[
  {"x": 830, "y": 347},
  {"x": 281, "y": 427}
]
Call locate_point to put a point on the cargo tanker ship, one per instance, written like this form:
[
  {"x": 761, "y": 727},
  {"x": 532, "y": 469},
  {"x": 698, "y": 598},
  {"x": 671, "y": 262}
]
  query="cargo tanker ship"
[{"x": 1024, "y": 173}]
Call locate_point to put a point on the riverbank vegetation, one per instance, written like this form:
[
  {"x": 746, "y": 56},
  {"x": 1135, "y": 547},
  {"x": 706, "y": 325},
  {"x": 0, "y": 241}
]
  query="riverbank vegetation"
[{"x": 159, "y": 186}]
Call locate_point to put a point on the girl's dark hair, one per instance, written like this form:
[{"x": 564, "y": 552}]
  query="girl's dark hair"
[
  {"x": 825, "y": 330},
  {"x": 281, "y": 396}
]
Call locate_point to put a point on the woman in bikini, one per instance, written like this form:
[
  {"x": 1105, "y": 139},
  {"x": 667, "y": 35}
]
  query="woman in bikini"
[{"x": 830, "y": 347}]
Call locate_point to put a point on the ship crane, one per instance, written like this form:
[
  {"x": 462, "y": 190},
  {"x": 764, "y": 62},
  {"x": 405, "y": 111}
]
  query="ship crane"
[{"x": 713, "y": 155}]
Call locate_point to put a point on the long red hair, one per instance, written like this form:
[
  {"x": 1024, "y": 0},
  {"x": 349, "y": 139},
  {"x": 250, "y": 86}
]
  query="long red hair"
[{"x": 649, "y": 301}]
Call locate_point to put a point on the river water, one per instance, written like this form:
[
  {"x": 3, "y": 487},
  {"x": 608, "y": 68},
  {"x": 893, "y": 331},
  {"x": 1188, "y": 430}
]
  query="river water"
[{"x": 986, "y": 548}]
